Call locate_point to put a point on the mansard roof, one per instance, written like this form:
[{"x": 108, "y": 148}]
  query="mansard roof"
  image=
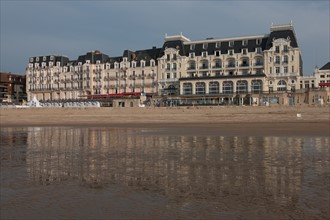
[
  {"x": 282, "y": 31},
  {"x": 326, "y": 66},
  {"x": 177, "y": 44},
  {"x": 224, "y": 45},
  {"x": 93, "y": 56},
  {"x": 49, "y": 58}
]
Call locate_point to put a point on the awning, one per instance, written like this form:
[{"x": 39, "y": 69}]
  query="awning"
[{"x": 324, "y": 84}]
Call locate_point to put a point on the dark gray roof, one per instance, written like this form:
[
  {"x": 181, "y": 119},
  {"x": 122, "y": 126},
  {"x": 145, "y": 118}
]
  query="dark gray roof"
[
  {"x": 326, "y": 66},
  {"x": 93, "y": 56},
  {"x": 281, "y": 34}
]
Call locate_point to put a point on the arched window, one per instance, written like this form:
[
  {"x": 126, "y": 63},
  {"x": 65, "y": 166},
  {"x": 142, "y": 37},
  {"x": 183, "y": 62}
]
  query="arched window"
[
  {"x": 281, "y": 85},
  {"x": 256, "y": 86},
  {"x": 217, "y": 63},
  {"x": 227, "y": 87},
  {"x": 214, "y": 88},
  {"x": 192, "y": 65},
  {"x": 187, "y": 88},
  {"x": 242, "y": 86},
  {"x": 200, "y": 88}
]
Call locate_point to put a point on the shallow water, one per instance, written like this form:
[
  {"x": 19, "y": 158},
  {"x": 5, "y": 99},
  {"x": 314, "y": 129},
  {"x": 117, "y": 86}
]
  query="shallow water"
[{"x": 102, "y": 173}]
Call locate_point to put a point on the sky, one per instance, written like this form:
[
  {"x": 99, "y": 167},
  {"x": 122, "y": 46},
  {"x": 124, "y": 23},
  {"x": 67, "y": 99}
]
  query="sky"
[{"x": 73, "y": 27}]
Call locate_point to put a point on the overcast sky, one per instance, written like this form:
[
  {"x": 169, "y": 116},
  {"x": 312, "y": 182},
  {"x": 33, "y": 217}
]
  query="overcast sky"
[{"x": 72, "y": 28}]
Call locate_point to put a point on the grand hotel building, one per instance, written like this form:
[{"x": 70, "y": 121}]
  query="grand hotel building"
[{"x": 215, "y": 67}]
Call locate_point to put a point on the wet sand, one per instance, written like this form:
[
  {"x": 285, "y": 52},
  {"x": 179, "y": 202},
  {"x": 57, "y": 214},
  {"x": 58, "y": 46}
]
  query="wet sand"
[{"x": 231, "y": 120}]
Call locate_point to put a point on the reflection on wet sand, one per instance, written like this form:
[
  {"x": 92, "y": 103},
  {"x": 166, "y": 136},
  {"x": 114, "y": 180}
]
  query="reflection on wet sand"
[
  {"x": 205, "y": 176},
  {"x": 181, "y": 166}
]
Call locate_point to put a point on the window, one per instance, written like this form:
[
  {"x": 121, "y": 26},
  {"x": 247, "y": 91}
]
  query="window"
[
  {"x": 231, "y": 52},
  {"x": 244, "y": 42},
  {"x": 217, "y": 64},
  {"x": 191, "y": 65},
  {"x": 258, "y": 50},
  {"x": 204, "y": 54},
  {"x": 200, "y": 88},
  {"x": 227, "y": 87},
  {"x": 217, "y": 53},
  {"x": 133, "y": 64},
  {"x": 168, "y": 66},
  {"x": 285, "y": 69},
  {"x": 191, "y": 55},
  {"x": 168, "y": 57},
  {"x": 292, "y": 69},
  {"x": 44, "y": 59},
  {"x": 292, "y": 58},
  {"x": 277, "y": 59},
  {"x": 217, "y": 44},
  {"x": 277, "y": 49},
  {"x": 168, "y": 75},
  {"x": 231, "y": 43},
  {"x": 285, "y": 59},
  {"x": 37, "y": 59},
  {"x": 192, "y": 47},
  {"x": 281, "y": 85},
  {"x": 143, "y": 63},
  {"x": 277, "y": 70},
  {"x": 125, "y": 59},
  {"x": 285, "y": 48},
  {"x": 258, "y": 41},
  {"x": 241, "y": 86},
  {"x": 213, "y": 88},
  {"x": 244, "y": 51},
  {"x": 187, "y": 88},
  {"x": 256, "y": 86},
  {"x": 174, "y": 66},
  {"x": 152, "y": 63},
  {"x": 204, "y": 45},
  {"x": 174, "y": 56}
]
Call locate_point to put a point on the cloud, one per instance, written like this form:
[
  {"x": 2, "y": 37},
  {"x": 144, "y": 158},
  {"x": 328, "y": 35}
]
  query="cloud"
[{"x": 76, "y": 27}]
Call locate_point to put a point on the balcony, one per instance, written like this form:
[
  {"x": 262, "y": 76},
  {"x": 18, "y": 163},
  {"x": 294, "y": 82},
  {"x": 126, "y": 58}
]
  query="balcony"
[
  {"x": 231, "y": 66},
  {"x": 168, "y": 80}
]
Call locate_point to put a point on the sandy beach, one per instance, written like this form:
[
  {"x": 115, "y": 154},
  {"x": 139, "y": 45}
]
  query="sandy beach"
[{"x": 250, "y": 120}]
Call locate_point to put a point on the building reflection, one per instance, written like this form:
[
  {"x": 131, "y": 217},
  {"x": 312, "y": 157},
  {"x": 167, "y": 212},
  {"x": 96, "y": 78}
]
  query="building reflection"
[{"x": 197, "y": 167}]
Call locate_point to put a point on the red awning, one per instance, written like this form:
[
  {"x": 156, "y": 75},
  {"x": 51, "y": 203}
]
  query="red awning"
[{"x": 324, "y": 84}]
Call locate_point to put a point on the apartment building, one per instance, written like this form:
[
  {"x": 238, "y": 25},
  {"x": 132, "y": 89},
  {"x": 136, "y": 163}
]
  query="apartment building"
[
  {"x": 12, "y": 88},
  {"x": 216, "y": 69}
]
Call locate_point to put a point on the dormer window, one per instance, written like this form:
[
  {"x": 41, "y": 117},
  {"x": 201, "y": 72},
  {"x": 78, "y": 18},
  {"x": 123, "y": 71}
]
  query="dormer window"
[
  {"x": 37, "y": 59},
  {"x": 204, "y": 54},
  {"x": 258, "y": 50},
  {"x": 285, "y": 49},
  {"x": 31, "y": 59},
  {"x": 231, "y": 43},
  {"x": 143, "y": 63},
  {"x": 125, "y": 59},
  {"x": 79, "y": 63},
  {"x": 58, "y": 63},
  {"x": 244, "y": 42},
  {"x": 98, "y": 61},
  {"x": 244, "y": 51},
  {"x": 258, "y": 41},
  {"x": 116, "y": 65},
  {"x": 50, "y": 64},
  {"x": 192, "y": 55},
  {"x": 88, "y": 61},
  {"x": 152, "y": 63},
  {"x": 231, "y": 52},
  {"x": 217, "y": 53},
  {"x": 51, "y": 57},
  {"x": 44, "y": 59},
  {"x": 133, "y": 64},
  {"x": 192, "y": 47},
  {"x": 217, "y": 44},
  {"x": 204, "y": 46}
]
